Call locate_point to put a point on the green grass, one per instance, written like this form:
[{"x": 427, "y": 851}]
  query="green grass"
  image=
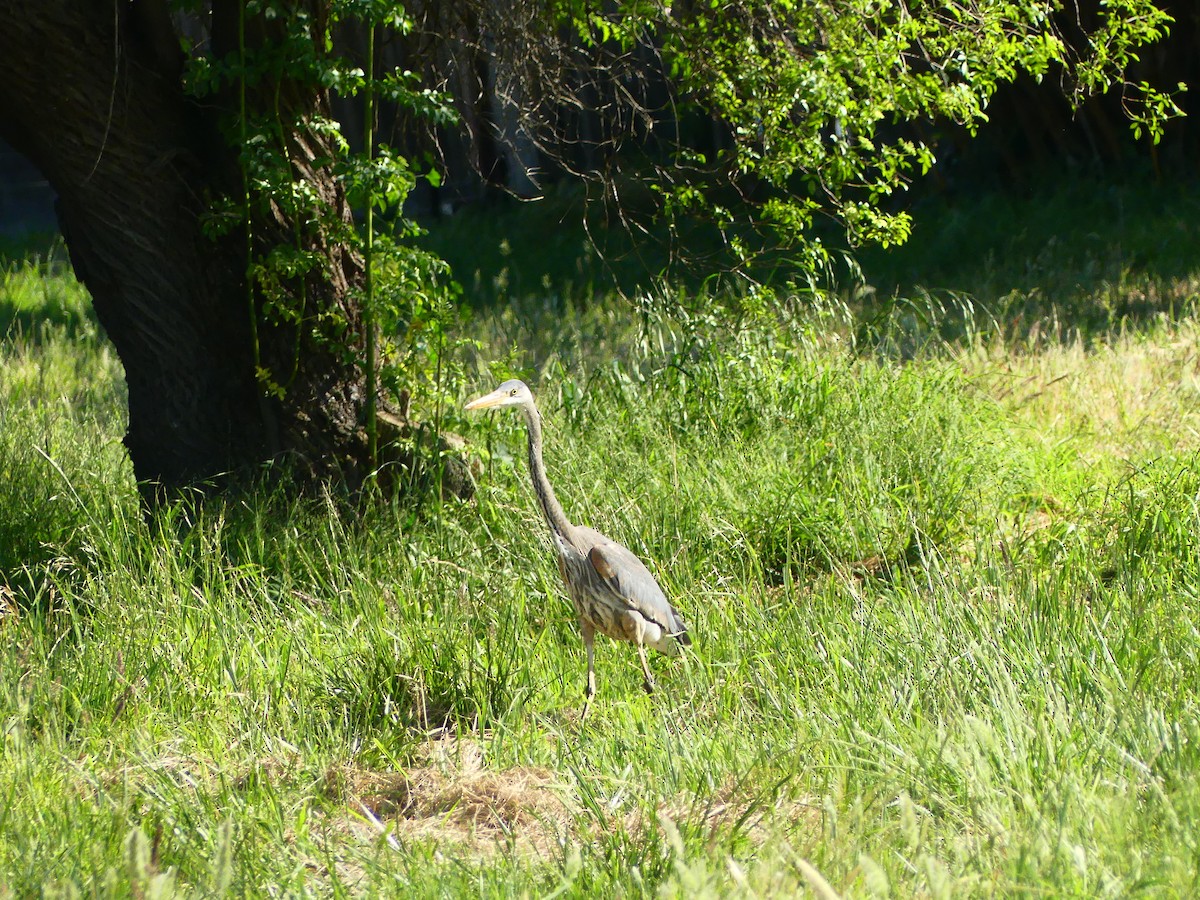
[{"x": 944, "y": 602}]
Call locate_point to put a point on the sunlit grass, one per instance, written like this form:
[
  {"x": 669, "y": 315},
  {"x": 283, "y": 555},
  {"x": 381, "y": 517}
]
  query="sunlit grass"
[{"x": 944, "y": 601}]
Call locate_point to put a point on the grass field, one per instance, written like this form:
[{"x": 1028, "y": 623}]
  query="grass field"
[{"x": 941, "y": 562}]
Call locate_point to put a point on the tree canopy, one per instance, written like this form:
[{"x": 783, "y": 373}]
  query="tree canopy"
[
  {"x": 827, "y": 108},
  {"x": 207, "y": 190}
]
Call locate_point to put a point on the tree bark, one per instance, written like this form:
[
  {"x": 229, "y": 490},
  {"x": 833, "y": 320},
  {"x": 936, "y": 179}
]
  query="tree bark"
[{"x": 92, "y": 94}]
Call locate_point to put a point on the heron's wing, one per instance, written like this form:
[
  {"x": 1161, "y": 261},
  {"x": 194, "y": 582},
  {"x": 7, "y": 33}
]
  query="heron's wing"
[{"x": 626, "y": 576}]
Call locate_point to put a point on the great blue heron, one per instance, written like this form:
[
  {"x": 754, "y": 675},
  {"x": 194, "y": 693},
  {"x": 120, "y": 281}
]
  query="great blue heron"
[{"x": 613, "y": 592}]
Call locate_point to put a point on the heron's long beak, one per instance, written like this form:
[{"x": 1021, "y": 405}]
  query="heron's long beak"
[{"x": 487, "y": 401}]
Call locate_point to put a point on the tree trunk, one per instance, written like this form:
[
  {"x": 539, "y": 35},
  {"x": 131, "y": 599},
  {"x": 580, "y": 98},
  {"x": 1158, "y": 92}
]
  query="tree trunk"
[{"x": 92, "y": 94}]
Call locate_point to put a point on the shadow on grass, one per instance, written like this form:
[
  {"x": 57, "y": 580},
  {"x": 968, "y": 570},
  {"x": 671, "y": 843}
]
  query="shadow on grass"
[
  {"x": 1088, "y": 254},
  {"x": 1082, "y": 253},
  {"x": 566, "y": 247},
  {"x": 38, "y": 291},
  {"x": 30, "y": 246}
]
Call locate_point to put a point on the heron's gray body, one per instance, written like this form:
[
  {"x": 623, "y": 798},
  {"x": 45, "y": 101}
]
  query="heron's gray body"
[
  {"x": 616, "y": 594},
  {"x": 613, "y": 591}
]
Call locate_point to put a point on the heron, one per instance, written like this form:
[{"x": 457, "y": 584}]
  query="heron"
[{"x": 613, "y": 591}]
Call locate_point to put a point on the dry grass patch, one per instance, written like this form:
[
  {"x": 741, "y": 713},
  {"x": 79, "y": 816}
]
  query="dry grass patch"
[
  {"x": 451, "y": 800},
  {"x": 1123, "y": 399},
  {"x": 450, "y": 797}
]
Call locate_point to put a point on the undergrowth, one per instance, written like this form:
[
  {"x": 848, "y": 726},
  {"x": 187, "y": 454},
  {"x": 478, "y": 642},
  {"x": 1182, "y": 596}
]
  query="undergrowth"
[{"x": 943, "y": 596}]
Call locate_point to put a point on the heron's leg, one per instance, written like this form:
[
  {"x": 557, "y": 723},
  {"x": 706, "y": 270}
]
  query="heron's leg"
[
  {"x": 589, "y": 638},
  {"x": 640, "y": 637},
  {"x": 648, "y": 684}
]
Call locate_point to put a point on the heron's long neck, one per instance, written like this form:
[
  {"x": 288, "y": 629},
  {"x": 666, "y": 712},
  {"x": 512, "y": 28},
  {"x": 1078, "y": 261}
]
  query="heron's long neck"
[{"x": 551, "y": 509}]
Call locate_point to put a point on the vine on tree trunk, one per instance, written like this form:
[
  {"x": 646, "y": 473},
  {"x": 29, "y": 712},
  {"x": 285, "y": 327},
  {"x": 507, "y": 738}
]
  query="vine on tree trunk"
[{"x": 283, "y": 71}]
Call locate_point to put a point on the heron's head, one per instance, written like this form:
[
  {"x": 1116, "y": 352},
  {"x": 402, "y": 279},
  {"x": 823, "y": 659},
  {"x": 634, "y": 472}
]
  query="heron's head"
[{"x": 511, "y": 393}]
